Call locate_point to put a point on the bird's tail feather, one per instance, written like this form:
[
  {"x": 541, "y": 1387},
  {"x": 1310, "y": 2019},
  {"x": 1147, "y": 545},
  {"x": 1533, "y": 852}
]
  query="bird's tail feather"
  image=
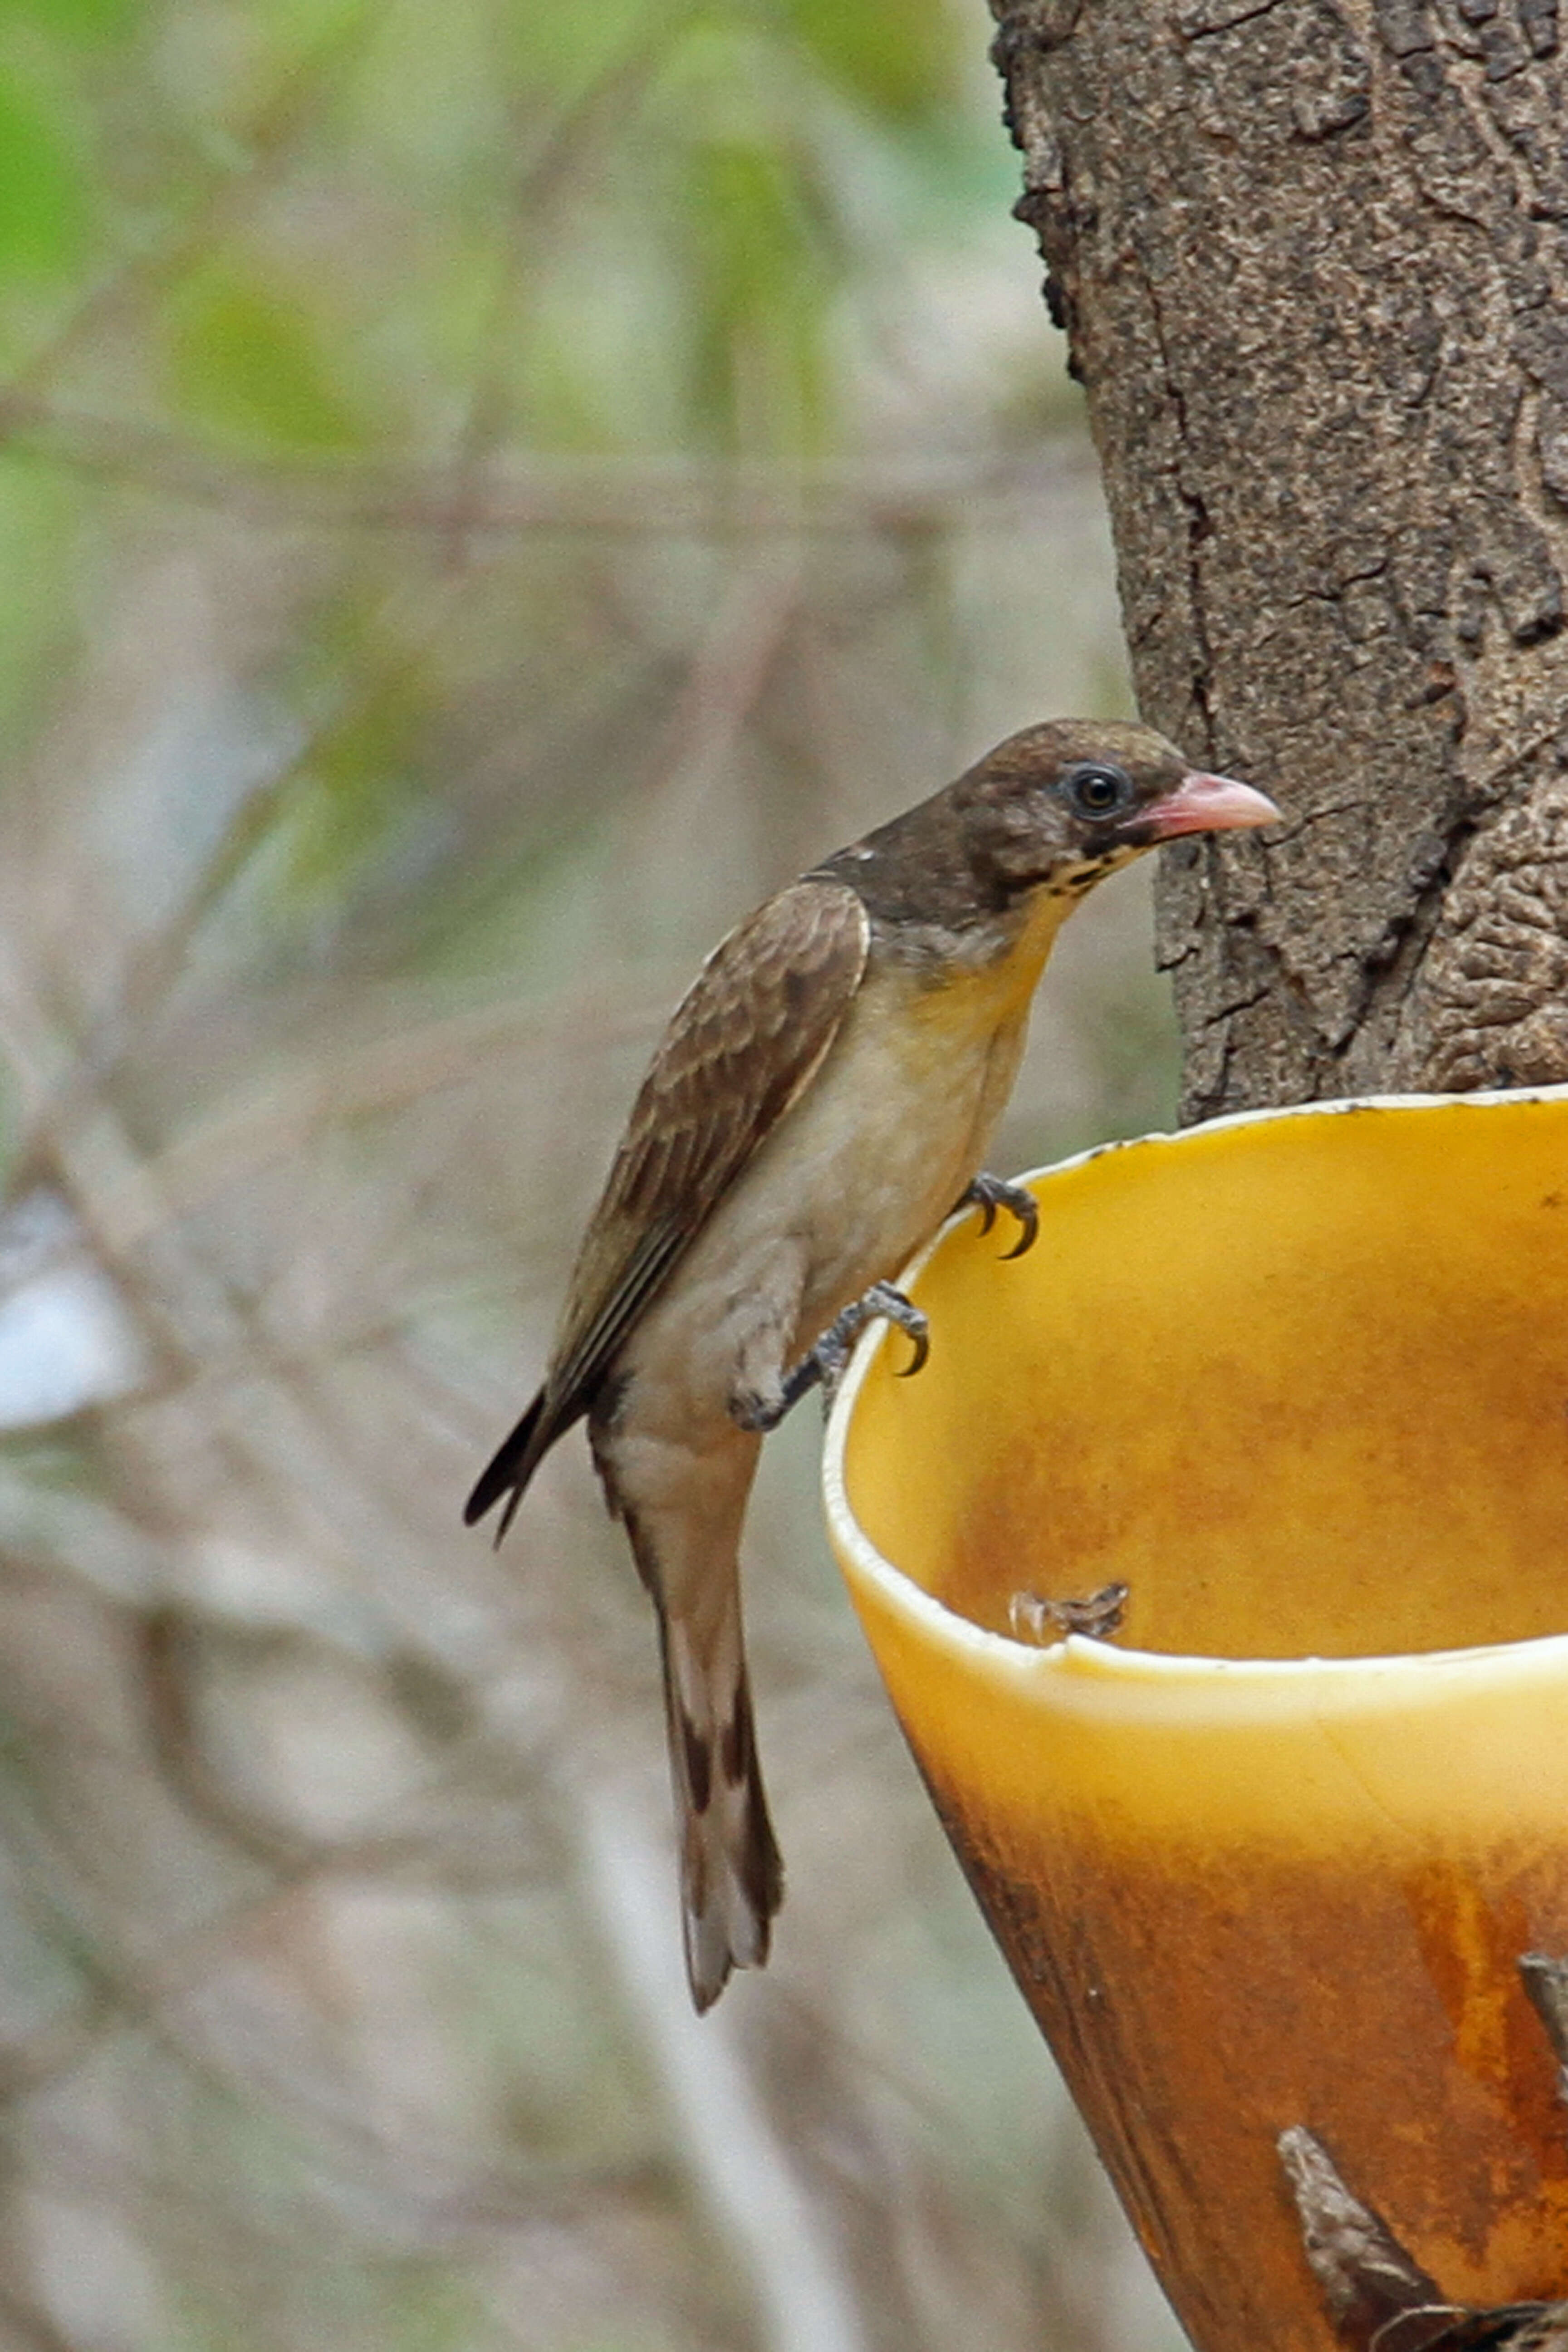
[
  {"x": 511, "y": 1466},
  {"x": 732, "y": 1877}
]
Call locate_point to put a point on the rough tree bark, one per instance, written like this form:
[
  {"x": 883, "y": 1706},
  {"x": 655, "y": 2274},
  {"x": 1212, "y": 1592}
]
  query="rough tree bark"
[{"x": 1311, "y": 260}]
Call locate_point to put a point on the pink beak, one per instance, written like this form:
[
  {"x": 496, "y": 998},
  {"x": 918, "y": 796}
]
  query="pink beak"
[{"x": 1203, "y": 804}]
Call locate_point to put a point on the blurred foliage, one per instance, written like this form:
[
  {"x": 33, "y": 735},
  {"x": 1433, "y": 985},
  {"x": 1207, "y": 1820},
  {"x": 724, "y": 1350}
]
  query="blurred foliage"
[{"x": 486, "y": 492}]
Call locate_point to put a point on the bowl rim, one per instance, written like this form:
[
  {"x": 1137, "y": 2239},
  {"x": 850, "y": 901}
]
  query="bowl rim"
[{"x": 1078, "y": 1653}]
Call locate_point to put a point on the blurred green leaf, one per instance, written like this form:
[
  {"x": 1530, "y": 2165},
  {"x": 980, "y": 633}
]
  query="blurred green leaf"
[
  {"x": 353, "y": 790},
  {"x": 761, "y": 269},
  {"x": 561, "y": 47},
  {"x": 250, "y": 364},
  {"x": 901, "y": 62},
  {"x": 81, "y": 20},
  {"x": 43, "y": 198}
]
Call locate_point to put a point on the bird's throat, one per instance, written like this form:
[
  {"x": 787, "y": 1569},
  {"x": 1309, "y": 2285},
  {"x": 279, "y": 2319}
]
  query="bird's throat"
[{"x": 976, "y": 981}]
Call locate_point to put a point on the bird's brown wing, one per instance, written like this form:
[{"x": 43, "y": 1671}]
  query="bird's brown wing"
[{"x": 745, "y": 1040}]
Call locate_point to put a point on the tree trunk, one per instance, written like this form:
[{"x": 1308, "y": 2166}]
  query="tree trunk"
[{"x": 1310, "y": 261}]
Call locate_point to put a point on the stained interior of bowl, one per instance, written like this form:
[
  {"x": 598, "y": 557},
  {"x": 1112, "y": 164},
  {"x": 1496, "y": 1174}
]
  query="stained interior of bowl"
[{"x": 1301, "y": 1383}]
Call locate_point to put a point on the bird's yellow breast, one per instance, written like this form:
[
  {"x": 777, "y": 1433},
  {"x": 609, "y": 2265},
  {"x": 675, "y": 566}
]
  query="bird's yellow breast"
[{"x": 964, "y": 999}]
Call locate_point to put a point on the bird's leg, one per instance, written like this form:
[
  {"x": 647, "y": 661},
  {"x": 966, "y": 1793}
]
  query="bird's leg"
[
  {"x": 989, "y": 1193},
  {"x": 823, "y": 1364}
]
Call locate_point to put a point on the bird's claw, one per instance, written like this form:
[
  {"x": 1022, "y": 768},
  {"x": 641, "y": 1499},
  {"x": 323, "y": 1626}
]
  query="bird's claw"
[
  {"x": 831, "y": 1352},
  {"x": 883, "y": 1299},
  {"x": 822, "y": 1366},
  {"x": 989, "y": 1193}
]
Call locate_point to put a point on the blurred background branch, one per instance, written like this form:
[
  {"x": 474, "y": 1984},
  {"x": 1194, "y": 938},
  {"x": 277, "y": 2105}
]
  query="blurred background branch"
[{"x": 486, "y": 493}]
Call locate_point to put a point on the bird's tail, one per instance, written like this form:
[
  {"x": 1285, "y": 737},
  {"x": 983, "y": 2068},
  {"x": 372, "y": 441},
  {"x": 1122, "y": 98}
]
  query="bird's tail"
[
  {"x": 732, "y": 1877},
  {"x": 512, "y": 1464}
]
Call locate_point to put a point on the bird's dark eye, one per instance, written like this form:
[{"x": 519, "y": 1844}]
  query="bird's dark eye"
[{"x": 1098, "y": 790}]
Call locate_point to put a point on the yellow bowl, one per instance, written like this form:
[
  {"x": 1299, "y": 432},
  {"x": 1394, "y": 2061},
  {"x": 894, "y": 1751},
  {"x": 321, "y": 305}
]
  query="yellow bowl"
[{"x": 1301, "y": 1381}]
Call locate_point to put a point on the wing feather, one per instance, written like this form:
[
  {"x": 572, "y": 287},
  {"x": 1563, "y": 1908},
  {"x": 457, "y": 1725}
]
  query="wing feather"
[{"x": 747, "y": 1037}]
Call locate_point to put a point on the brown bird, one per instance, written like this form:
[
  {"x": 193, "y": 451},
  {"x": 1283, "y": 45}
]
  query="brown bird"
[{"x": 821, "y": 1100}]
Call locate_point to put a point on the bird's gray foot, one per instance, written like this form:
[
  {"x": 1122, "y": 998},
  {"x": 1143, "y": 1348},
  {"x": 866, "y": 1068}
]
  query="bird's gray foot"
[
  {"x": 822, "y": 1366},
  {"x": 989, "y": 1193}
]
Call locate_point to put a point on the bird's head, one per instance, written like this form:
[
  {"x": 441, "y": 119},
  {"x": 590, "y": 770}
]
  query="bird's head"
[{"x": 1065, "y": 803}]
